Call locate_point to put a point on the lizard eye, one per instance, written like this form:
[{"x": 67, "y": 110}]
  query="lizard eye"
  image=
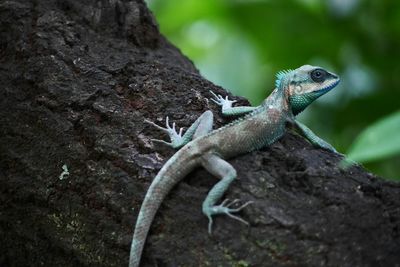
[{"x": 318, "y": 75}]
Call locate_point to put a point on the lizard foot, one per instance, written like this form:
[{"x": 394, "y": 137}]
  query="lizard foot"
[
  {"x": 224, "y": 208},
  {"x": 221, "y": 101},
  {"x": 176, "y": 138}
]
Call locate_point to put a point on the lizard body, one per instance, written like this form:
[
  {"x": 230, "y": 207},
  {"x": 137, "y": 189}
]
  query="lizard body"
[{"x": 202, "y": 146}]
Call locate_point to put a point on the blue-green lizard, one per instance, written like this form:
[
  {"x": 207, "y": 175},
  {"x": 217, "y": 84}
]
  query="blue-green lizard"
[{"x": 202, "y": 146}]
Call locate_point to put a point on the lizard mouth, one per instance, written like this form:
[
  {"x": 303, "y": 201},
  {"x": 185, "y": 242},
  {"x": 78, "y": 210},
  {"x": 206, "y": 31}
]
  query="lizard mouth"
[{"x": 329, "y": 87}]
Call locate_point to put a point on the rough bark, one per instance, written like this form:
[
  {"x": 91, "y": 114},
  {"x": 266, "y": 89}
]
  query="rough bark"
[{"x": 77, "y": 80}]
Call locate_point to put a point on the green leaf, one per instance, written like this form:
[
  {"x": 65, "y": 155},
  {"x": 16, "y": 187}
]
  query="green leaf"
[{"x": 380, "y": 140}]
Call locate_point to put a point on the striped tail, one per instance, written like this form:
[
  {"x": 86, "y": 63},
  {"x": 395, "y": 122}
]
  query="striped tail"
[{"x": 172, "y": 172}]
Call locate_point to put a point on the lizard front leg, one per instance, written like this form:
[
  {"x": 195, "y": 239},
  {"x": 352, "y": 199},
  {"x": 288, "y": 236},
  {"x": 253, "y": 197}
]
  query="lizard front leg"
[
  {"x": 222, "y": 169},
  {"x": 313, "y": 138},
  {"x": 319, "y": 142},
  {"x": 201, "y": 126},
  {"x": 226, "y": 104}
]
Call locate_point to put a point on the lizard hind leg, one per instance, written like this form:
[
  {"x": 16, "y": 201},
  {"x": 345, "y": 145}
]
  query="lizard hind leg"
[
  {"x": 227, "y": 173},
  {"x": 200, "y": 127},
  {"x": 205, "y": 124}
]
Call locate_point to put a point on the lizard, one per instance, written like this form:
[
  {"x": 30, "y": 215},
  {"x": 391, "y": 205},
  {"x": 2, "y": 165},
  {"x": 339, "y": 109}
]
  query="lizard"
[{"x": 259, "y": 126}]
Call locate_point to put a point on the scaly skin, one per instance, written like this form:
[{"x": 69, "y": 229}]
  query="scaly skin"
[{"x": 202, "y": 146}]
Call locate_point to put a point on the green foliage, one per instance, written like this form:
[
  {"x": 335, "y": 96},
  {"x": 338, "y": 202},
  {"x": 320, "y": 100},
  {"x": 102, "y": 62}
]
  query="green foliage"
[
  {"x": 241, "y": 44},
  {"x": 380, "y": 140}
]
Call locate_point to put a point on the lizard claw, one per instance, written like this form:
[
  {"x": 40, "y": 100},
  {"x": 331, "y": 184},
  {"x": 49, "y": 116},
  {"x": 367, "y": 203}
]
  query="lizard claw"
[
  {"x": 176, "y": 137},
  {"x": 224, "y": 208},
  {"x": 221, "y": 101},
  {"x": 229, "y": 211},
  {"x": 160, "y": 141},
  {"x": 155, "y": 125}
]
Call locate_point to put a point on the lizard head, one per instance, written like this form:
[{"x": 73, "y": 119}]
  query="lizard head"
[{"x": 305, "y": 84}]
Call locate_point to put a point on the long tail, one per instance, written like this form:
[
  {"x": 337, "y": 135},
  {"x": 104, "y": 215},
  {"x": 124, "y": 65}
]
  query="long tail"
[{"x": 174, "y": 170}]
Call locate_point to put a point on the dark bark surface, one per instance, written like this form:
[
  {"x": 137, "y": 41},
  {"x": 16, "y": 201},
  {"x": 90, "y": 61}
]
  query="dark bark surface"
[{"x": 78, "y": 78}]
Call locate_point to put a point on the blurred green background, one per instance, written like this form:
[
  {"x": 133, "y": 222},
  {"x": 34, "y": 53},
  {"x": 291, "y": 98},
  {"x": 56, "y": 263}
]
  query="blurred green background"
[{"x": 241, "y": 44}]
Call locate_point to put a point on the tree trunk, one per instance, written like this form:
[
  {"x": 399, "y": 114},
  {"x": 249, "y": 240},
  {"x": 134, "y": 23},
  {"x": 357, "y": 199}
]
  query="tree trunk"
[{"x": 78, "y": 78}]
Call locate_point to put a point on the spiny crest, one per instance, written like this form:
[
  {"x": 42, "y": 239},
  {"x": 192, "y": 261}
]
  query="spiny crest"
[{"x": 280, "y": 76}]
